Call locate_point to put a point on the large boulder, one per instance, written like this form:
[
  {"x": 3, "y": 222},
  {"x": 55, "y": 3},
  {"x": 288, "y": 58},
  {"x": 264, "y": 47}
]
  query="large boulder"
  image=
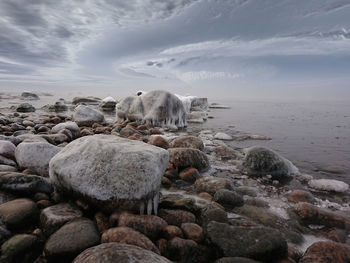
[
  {"x": 259, "y": 243},
  {"x": 36, "y": 156},
  {"x": 261, "y": 161},
  {"x": 158, "y": 107},
  {"x": 108, "y": 170},
  {"x": 86, "y": 116},
  {"x": 115, "y": 253}
]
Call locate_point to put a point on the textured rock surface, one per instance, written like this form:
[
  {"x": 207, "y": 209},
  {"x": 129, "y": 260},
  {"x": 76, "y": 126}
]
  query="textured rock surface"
[
  {"x": 326, "y": 252},
  {"x": 25, "y": 107},
  {"x": 177, "y": 217},
  {"x": 107, "y": 169},
  {"x": 158, "y": 107},
  {"x": 228, "y": 198},
  {"x": 329, "y": 185},
  {"x": 212, "y": 184},
  {"x": 70, "y": 125},
  {"x": 7, "y": 149},
  {"x": 86, "y": 116},
  {"x": 116, "y": 253},
  {"x": 36, "y": 156},
  {"x": 259, "y": 243},
  {"x": 188, "y": 142},
  {"x": 261, "y": 161},
  {"x": 189, "y": 157}
]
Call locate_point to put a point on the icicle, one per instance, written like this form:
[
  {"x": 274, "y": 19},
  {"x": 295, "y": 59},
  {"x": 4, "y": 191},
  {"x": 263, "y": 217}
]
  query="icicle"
[
  {"x": 149, "y": 207},
  {"x": 142, "y": 208},
  {"x": 155, "y": 203}
]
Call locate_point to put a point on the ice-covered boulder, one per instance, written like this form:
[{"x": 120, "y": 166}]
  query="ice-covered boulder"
[
  {"x": 108, "y": 104},
  {"x": 158, "y": 107},
  {"x": 329, "y": 185},
  {"x": 110, "y": 171},
  {"x": 193, "y": 103},
  {"x": 86, "y": 116},
  {"x": 261, "y": 161}
]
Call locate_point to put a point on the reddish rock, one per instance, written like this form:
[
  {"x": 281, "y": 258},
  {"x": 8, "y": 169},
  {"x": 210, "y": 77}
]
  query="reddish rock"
[
  {"x": 162, "y": 245},
  {"x": 102, "y": 222},
  {"x": 182, "y": 249},
  {"x": 149, "y": 225},
  {"x": 159, "y": 141},
  {"x": 56, "y": 120},
  {"x": 205, "y": 195},
  {"x": 166, "y": 182},
  {"x": 193, "y": 231},
  {"x": 298, "y": 196},
  {"x": 189, "y": 175},
  {"x": 86, "y": 132},
  {"x": 225, "y": 153},
  {"x": 310, "y": 214},
  {"x": 188, "y": 142},
  {"x": 126, "y": 235},
  {"x": 43, "y": 204},
  {"x": 136, "y": 137},
  {"x": 170, "y": 232},
  {"x": 99, "y": 130},
  {"x": 96, "y": 125},
  {"x": 177, "y": 217},
  {"x": 326, "y": 252},
  {"x": 155, "y": 131},
  {"x": 128, "y": 131},
  {"x": 43, "y": 128},
  {"x": 189, "y": 157},
  {"x": 212, "y": 184}
]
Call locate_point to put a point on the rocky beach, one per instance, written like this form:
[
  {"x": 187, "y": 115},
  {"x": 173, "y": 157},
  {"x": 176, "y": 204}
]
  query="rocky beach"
[{"x": 139, "y": 180}]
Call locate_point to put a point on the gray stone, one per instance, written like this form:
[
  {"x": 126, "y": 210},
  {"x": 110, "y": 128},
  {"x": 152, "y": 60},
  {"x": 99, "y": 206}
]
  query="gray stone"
[
  {"x": 71, "y": 126},
  {"x": 107, "y": 169},
  {"x": 12, "y": 139},
  {"x": 7, "y": 149},
  {"x": 115, "y": 253},
  {"x": 6, "y": 161},
  {"x": 29, "y": 96},
  {"x": 36, "y": 156},
  {"x": 25, "y": 107},
  {"x": 86, "y": 100},
  {"x": 228, "y": 198},
  {"x": 86, "y": 116},
  {"x": 7, "y": 168}
]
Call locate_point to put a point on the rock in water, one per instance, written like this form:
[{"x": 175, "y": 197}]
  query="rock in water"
[
  {"x": 326, "y": 252},
  {"x": 25, "y": 107},
  {"x": 29, "y": 96},
  {"x": 115, "y": 252},
  {"x": 329, "y": 185},
  {"x": 158, "y": 107},
  {"x": 109, "y": 170},
  {"x": 261, "y": 161},
  {"x": 86, "y": 116}
]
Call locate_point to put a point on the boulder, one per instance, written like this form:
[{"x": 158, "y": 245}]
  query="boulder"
[
  {"x": 189, "y": 157},
  {"x": 157, "y": 107},
  {"x": 212, "y": 213},
  {"x": 228, "y": 198},
  {"x": 71, "y": 239},
  {"x": 183, "y": 250},
  {"x": 24, "y": 184},
  {"x": 107, "y": 170},
  {"x": 53, "y": 217},
  {"x": 159, "y": 141},
  {"x": 29, "y": 96},
  {"x": 188, "y": 142},
  {"x": 193, "y": 231},
  {"x": 69, "y": 125},
  {"x": 86, "y": 100},
  {"x": 7, "y": 149},
  {"x": 126, "y": 235},
  {"x": 18, "y": 213},
  {"x": 170, "y": 232},
  {"x": 329, "y": 185},
  {"x": 25, "y": 107},
  {"x": 212, "y": 184},
  {"x": 86, "y": 116},
  {"x": 108, "y": 104},
  {"x": 36, "y": 156},
  {"x": 115, "y": 253},
  {"x": 177, "y": 217},
  {"x": 326, "y": 252},
  {"x": 259, "y": 243},
  {"x": 261, "y": 161}
]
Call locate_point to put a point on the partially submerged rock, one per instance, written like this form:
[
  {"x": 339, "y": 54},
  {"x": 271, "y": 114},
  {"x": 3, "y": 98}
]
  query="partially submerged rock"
[
  {"x": 29, "y": 96},
  {"x": 158, "y": 107},
  {"x": 108, "y": 170},
  {"x": 25, "y": 107},
  {"x": 108, "y": 104},
  {"x": 86, "y": 100},
  {"x": 329, "y": 185}
]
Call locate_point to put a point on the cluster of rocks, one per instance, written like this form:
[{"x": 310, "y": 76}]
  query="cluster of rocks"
[{"x": 79, "y": 189}]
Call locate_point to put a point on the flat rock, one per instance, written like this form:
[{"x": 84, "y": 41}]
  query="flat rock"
[
  {"x": 116, "y": 253},
  {"x": 71, "y": 239},
  {"x": 223, "y": 136},
  {"x": 36, "y": 156},
  {"x": 328, "y": 185}
]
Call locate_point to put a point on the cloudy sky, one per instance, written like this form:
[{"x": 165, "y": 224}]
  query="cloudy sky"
[{"x": 217, "y": 48}]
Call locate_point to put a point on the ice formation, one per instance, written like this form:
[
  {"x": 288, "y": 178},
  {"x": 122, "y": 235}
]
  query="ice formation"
[
  {"x": 109, "y": 99},
  {"x": 329, "y": 185},
  {"x": 193, "y": 103},
  {"x": 157, "y": 107}
]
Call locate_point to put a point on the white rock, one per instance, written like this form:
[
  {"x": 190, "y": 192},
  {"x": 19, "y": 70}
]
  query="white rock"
[
  {"x": 69, "y": 125},
  {"x": 36, "y": 156},
  {"x": 109, "y": 99},
  {"x": 218, "y": 106},
  {"x": 84, "y": 115},
  {"x": 223, "y": 136},
  {"x": 329, "y": 185},
  {"x": 108, "y": 168}
]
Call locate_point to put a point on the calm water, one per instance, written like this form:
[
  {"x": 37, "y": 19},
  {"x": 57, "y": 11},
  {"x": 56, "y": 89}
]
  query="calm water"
[{"x": 313, "y": 135}]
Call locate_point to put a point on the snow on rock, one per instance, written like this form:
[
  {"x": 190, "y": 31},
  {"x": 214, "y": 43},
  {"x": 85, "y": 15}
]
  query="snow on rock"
[
  {"x": 329, "y": 185},
  {"x": 218, "y": 106},
  {"x": 158, "y": 107},
  {"x": 193, "y": 103},
  {"x": 223, "y": 136}
]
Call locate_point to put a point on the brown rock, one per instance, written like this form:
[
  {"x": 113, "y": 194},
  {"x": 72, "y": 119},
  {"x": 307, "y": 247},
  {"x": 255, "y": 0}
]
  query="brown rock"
[
  {"x": 136, "y": 137},
  {"x": 126, "y": 235},
  {"x": 56, "y": 120},
  {"x": 212, "y": 184},
  {"x": 162, "y": 245},
  {"x": 99, "y": 130},
  {"x": 102, "y": 222},
  {"x": 86, "y": 132},
  {"x": 177, "y": 217},
  {"x": 326, "y": 252},
  {"x": 170, "y": 232},
  {"x": 166, "y": 182},
  {"x": 155, "y": 131},
  {"x": 225, "y": 153},
  {"x": 128, "y": 131},
  {"x": 205, "y": 195},
  {"x": 193, "y": 231},
  {"x": 43, "y": 204},
  {"x": 188, "y": 142},
  {"x": 189, "y": 157},
  {"x": 172, "y": 174},
  {"x": 189, "y": 175},
  {"x": 149, "y": 225},
  {"x": 298, "y": 196},
  {"x": 159, "y": 141},
  {"x": 182, "y": 249}
]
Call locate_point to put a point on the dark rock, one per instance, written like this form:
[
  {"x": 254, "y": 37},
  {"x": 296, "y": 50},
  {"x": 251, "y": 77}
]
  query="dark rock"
[
  {"x": 193, "y": 231},
  {"x": 4, "y": 233},
  {"x": 212, "y": 184},
  {"x": 236, "y": 260},
  {"x": 259, "y": 243},
  {"x": 29, "y": 96},
  {"x": 25, "y": 107},
  {"x": 159, "y": 141},
  {"x": 102, "y": 222},
  {"x": 177, "y": 217},
  {"x": 189, "y": 157},
  {"x": 86, "y": 100},
  {"x": 6, "y": 161},
  {"x": 188, "y": 142},
  {"x": 183, "y": 250},
  {"x": 326, "y": 252},
  {"x": 170, "y": 232},
  {"x": 189, "y": 175},
  {"x": 12, "y": 139},
  {"x": 127, "y": 235},
  {"x": 213, "y": 213},
  {"x": 71, "y": 239},
  {"x": 118, "y": 253},
  {"x": 228, "y": 198}
]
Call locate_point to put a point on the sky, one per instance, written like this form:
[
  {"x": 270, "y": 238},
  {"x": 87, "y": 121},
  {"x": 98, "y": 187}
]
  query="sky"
[{"x": 285, "y": 49}]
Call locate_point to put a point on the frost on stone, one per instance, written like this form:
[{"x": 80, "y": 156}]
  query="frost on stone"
[
  {"x": 193, "y": 103},
  {"x": 157, "y": 107},
  {"x": 329, "y": 185},
  {"x": 109, "y": 99}
]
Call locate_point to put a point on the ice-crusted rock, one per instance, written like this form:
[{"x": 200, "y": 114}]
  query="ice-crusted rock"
[
  {"x": 108, "y": 170},
  {"x": 108, "y": 104},
  {"x": 86, "y": 116},
  {"x": 261, "y": 161},
  {"x": 158, "y": 107},
  {"x": 192, "y": 103},
  {"x": 223, "y": 136},
  {"x": 329, "y": 185},
  {"x": 36, "y": 156}
]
